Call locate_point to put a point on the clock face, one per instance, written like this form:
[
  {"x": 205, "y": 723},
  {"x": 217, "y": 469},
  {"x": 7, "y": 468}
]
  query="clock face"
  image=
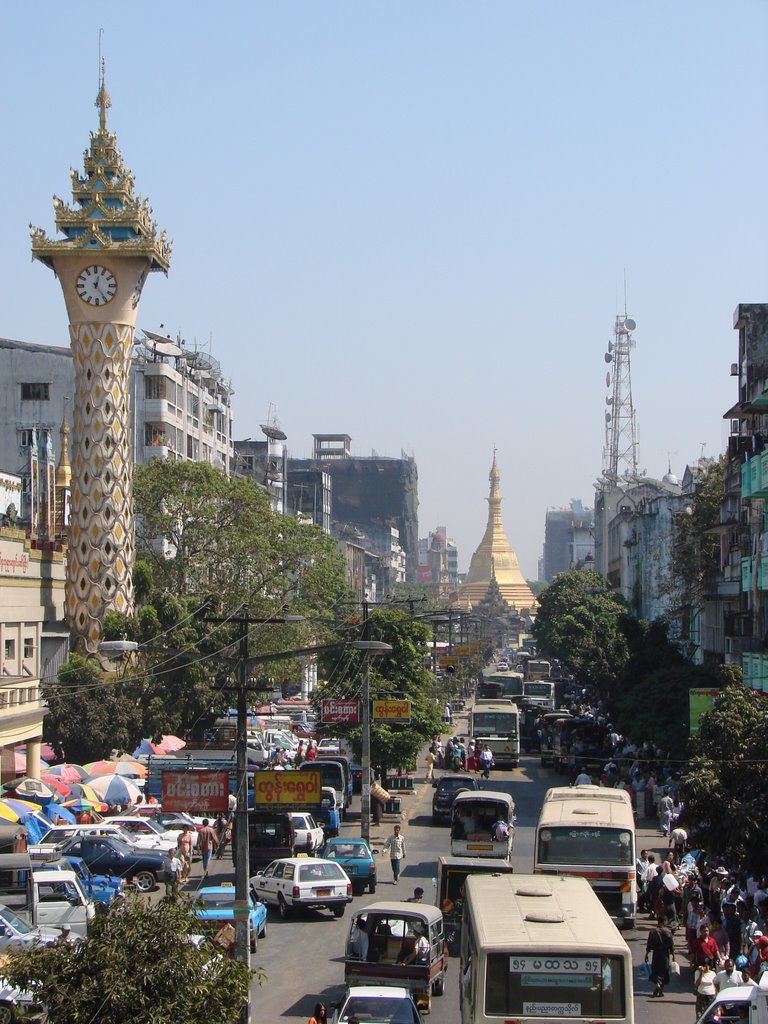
[
  {"x": 96, "y": 285},
  {"x": 137, "y": 289}
]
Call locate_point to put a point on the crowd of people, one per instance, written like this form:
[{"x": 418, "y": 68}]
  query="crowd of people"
[{"x": 459, "y": 756}]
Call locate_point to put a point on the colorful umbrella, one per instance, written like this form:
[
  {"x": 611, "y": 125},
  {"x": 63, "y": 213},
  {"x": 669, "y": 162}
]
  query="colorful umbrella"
[
  {"x": 83, "y": 791},
  {"x": 83, "y": 805},
  {"x": 58, "y": 811},
  {"x": 30, "y": 789},
  {"x": 170, "y": 744},
  {"x": 17, "y": 810},
  {"x": 128, "y": 769},
  {"x": 20, "y": 762},
  {"x": 61, "y": 787},
  {"x": 114, "y": 789},
  {"x": 68, "y": 773}
]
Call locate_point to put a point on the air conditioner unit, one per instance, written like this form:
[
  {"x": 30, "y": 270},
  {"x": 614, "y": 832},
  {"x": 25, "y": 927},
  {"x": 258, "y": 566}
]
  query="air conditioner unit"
[{"x": 734, "y": 369}]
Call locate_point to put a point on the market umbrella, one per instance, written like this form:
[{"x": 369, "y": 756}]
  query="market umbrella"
[
  {"x": 61, "y": 788},
  {"x": 114, "y": 789},
  {"x": 30, "y": 789},
  {"x": 20, "y": 762},
  {"x": 147, "y": 747},
  {"x": 78, "y": 805},
  {"x": 128, "y": 769},
  {"x": 54, "y": 811},
  {"x": 83, "y": 791},
  {"x": 17, "y": 810},
  {"x": 68, "y": 773},
  {"x": 170, "y": 744}
]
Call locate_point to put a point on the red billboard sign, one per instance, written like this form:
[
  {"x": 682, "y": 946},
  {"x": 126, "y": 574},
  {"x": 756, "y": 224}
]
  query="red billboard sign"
[
  {"x": 196, "y": 790},
  {"x": 338, "y": 712}
]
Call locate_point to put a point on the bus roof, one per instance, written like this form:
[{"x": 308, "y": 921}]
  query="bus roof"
[
  {"x": 539, "y": 912},
  {"x": 500, "y": 704},
  {"x": 609, "y": 807},
  {"x": 468, "y": 796}
]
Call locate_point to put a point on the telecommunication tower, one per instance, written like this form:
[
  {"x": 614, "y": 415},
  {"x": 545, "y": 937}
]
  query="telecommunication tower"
[{"x": 620, "y": 451}]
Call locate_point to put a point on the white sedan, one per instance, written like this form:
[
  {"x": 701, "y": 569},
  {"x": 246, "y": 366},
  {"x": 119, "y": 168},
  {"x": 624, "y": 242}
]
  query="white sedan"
[
  {"x": 294, "y": 882},
  {"x": 147, "y": 834},
  {"x": 378, "y": 1004},
  {"x": 328, "y": 746}
]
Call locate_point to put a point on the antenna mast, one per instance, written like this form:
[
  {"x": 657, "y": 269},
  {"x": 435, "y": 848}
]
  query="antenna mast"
[{"x": 620, "y": 452}]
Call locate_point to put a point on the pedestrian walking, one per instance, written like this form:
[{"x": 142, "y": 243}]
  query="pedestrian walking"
[
  {"x": 447, "y": 714},
  {"x": 486, "y": 761},
  {"x": 320, "y": 1015},
  {"x": 704, "y": 985},
  {"x": 173, "y": 868},
  {"x": 395, "y": 844},
  {"x": 430, "y": 762},
  {"x": 184, "y": 846},
  {"x": 207, "y": 841},
  {"x": 661, "y": 948}
]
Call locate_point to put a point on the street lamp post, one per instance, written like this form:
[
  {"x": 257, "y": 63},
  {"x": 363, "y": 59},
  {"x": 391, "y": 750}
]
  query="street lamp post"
[{"x": 369, "y": 647}]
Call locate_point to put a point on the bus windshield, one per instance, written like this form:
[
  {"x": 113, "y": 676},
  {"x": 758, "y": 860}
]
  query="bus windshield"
[
  {"x": 494, "y": 723},
  {"x": 554, "y": 986},
  {"x": 511, "y": 685},
  {"x": 585, "y": 846}
]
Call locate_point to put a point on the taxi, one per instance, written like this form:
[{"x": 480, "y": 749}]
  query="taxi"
[{"x": 215, "y": 907}]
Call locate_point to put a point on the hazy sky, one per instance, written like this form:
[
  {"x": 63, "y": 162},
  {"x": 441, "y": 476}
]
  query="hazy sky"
[{"x": 409, "y": 222}]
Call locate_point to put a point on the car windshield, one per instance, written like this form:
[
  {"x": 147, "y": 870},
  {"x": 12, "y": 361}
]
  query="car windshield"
[
  {"x": 454, "y": 784},
  {"x": 9, "y": 918},
  {"x": 214, "y": 900},
  {"x": 392, "y": 1009},
  {"x": 340, "y": 850},
  {"x": 320, "y": 872}
]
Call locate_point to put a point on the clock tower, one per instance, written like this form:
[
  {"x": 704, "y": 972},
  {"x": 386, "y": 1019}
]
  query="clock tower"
[{"x": 110, "y": 244}]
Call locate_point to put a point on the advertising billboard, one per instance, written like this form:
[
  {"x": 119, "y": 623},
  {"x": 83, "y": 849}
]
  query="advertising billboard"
[
  {"x": 287, "y": 791},
  {"x": 391, "y": 711},
  {"x": 196, "y": 790},
  {"x": 699, "y": 701},
  {"x": 346, "y": 712}
]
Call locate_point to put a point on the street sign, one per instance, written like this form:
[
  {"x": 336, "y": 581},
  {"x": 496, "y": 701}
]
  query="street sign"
[
  {"x": 461, "y": 651},
  {"x": 195, "y": 790},
  {"x": 288, "y": 791},
  {"x": 339, "y": 712},
  {"x": 391, "y": 711},
  {"x": 447, "y": 659}
]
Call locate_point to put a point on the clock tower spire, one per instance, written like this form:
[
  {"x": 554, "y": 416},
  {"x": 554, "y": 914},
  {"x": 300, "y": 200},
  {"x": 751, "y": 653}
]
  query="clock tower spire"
[{"x": 110, "y": 243}]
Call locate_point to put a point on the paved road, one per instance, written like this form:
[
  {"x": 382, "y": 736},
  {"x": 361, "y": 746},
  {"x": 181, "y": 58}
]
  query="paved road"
[{"x": 303, "y": 959}]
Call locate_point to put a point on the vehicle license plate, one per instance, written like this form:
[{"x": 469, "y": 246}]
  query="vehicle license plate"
[{"x": 322, "y": 892}]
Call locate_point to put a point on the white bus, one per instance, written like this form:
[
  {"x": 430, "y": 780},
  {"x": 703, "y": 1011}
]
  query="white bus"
[
  {"x": 536, "y": 949},
  {"x": 590, "y": 831},
  {"x": 496, "y": 724}
]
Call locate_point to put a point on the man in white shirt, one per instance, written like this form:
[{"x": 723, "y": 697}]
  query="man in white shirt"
[
  {"x": 728, "y": 977},
  {"x": 583, "y": 779}
]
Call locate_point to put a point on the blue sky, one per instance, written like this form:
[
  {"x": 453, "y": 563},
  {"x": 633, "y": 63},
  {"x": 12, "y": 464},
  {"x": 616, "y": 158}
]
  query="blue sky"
[{"x": 410, "y": 222}]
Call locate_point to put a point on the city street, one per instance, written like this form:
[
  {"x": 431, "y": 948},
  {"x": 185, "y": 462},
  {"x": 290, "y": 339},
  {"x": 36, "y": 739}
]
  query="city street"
[{"x": 303, "y": 957}]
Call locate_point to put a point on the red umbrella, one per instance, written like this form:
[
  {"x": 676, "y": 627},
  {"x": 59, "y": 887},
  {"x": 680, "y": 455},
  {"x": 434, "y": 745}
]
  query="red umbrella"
[
  {"x": 55, "y": 783},
  {"x": 170, "y": 744}
]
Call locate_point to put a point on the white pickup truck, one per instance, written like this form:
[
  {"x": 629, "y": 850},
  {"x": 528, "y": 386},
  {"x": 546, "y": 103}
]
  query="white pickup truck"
[
  {"x": 747, "y": 1003},
  {"x": 44, "y": 898}
]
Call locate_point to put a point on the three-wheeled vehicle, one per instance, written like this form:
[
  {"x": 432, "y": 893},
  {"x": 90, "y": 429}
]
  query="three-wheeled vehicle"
[
  {"x": 399, "y": 944},
  {"x": 451, "y": 875},
  {"x": 483, "y": 825}
]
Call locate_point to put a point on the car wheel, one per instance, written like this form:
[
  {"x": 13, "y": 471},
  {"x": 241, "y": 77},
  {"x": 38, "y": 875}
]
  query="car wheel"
[
  {"x": 8, "y": 1013},
  {"x": 145, "y": 881},
  {"x": 263, "y": 932},
  {"x": 372, "y": 888},
  {"x": 438, "y": 985},
  {"x": 339, "y": 911},
  {"x": 283, "y": 909}
]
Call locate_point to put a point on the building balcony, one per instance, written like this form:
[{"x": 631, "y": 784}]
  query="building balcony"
[
  {"x": 760, "y": 401},
  {"x": 755, "y": 669},
  {"x": 157, "y": 451}
]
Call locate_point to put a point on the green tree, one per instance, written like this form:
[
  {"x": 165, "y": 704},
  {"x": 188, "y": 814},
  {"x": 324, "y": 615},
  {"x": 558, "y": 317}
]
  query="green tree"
[
  {"x": 580, "y": 622},
  {"x": 138, "y": 965},
  {"x": 90, "y": 712},
  {"x": 726, "y": 787}
]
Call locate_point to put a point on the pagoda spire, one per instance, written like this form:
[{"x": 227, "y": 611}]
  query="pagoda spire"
[
  {"x": 103, "y": 102},
  {"x": 495, "y": 560}
]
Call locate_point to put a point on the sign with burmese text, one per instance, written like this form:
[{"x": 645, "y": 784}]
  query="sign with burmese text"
[
  {"x": 339, "y": 712},
  {"x": 391, "y": 711},
  {"x": 287, "y": 791},
  {"x": 196, "y": 790}
]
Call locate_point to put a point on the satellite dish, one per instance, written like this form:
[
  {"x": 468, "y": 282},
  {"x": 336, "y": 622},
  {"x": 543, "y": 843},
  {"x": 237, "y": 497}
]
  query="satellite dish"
[
  {"x": 160, "y": 345},
  {"x": 630, "y": 324},
  {"x": 609, "y": 400},
  {"x": 608, "y": 357},
  {"x": 607, "y": 380},
  {"x": 273, "y": 432},
  {"x": 607, "y": 417}
]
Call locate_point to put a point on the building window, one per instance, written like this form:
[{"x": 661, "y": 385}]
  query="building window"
[
  {"x": 35, "y": 392},
  {"x": 154, "y": 387},
  {"x": 29, "y": 647},
  {"x": 13, "y": 698},
  {"x": 10, "y": 650},
  {"x": 3, "y": 699},
  {"x": 26, "y": 437}
]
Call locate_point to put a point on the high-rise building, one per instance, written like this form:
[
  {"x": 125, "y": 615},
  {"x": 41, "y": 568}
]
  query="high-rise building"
[{"x": 568, "y": 539}]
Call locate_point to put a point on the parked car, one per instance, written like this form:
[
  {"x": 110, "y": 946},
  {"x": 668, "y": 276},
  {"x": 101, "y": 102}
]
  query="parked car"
[
  {"x": 446, "y": 789},
  {"x": 138, "y": 828},
  {"x": 216, "y": 907},
  {"x": 378, "y": 1004},
  {"x": 58, "y": 834},
  {"x": 170, "y": 819},
  {"x": 357, "y": 859},
  {"x": 309, "y": 835},
  {"x": 328, "y": 746},
  {"x": 295, "y": 882},
  {"x": 99, "y": 888},
  {"x": 15, "y": 933},
  {"x": 111, "y": 856}
]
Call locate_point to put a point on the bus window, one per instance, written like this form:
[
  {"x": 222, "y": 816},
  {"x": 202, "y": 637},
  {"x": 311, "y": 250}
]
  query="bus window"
[{"x": 554, "y": 986}]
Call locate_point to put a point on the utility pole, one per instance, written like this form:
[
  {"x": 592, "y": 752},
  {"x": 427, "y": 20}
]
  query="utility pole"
[{"x": 242, "y": 851}]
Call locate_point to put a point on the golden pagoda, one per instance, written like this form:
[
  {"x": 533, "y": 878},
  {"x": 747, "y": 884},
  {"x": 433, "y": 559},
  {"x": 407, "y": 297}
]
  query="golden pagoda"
[{"x": 495, "y": 559}]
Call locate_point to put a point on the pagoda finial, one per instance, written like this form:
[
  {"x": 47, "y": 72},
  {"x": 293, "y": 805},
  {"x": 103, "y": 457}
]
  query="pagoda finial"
[{"x": 102, "y": 100}]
